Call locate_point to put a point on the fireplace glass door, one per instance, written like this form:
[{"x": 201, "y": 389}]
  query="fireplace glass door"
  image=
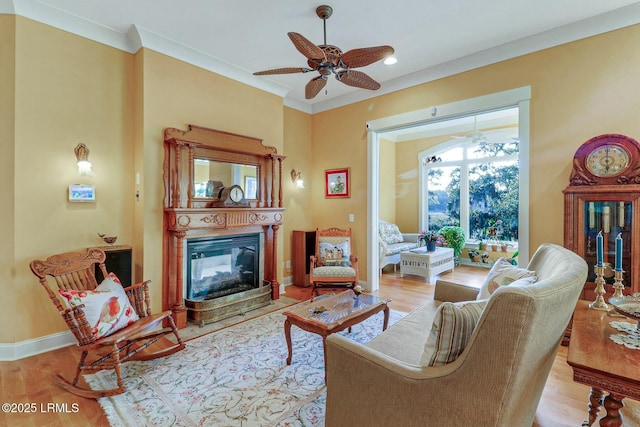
[{"x": 222, "y": 266}]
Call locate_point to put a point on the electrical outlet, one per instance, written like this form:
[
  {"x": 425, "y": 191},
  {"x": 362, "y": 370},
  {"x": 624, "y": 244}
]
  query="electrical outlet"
[
  {"x": 288, "y": 264},
  {"x": 351, "y": 218}
]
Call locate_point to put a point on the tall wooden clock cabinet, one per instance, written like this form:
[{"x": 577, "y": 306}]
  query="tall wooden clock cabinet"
[{"x": 603, "y": 195}]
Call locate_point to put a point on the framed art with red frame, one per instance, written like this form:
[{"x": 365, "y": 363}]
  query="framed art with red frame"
[{"x": 337, "y": 183}]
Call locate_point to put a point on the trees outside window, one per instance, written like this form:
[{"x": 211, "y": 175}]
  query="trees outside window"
[{"x": 474, "y": 187}]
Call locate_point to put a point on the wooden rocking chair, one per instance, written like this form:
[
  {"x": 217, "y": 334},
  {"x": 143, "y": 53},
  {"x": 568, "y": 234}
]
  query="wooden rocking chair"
[{"x": 74, "y": 271}]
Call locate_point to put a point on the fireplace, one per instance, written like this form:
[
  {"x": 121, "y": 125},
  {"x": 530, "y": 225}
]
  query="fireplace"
[
  {"x": 219, "y": 255},
  {"x": 221, "y": 266},
  {"x": 223, "y": 277}
]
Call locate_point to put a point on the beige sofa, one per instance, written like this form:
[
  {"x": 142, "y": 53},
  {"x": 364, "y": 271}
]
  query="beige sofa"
[
  {"x": 496, "y": 381},
  {"x": 392, "y": 242}
]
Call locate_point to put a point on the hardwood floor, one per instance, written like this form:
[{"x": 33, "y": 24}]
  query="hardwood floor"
[{"x": 28, "y": 381}]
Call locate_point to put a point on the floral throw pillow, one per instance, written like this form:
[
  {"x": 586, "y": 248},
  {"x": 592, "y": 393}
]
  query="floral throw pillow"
[
  {"x": 107, "y": 307},
  {"x": 390, "y": 233},
  {"x": 503, "y": 273}
]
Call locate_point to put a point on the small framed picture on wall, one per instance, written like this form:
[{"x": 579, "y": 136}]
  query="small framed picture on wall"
[{"x": 337, "y": 183}]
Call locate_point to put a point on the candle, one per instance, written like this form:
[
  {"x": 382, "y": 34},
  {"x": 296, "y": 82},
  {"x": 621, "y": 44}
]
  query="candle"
[
  {"x": 619, "y": 252},
  {"x": 599, "y": 249},
  {"x": 621, "y": 214},
  {"x": 592, "y": 215},
  {"x": 607, "y": 219}
]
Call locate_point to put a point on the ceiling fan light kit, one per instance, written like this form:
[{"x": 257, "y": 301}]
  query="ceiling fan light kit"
[{"x": 327, "y": 59}]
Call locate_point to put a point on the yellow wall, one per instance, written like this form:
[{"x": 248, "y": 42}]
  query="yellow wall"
[
  {"x": 579, "y": 90},
  {"x": 8, "y": 273},
  {"x": 390, "y": 184},
  {"x": 69, "y": 90},
  {"x": 297, "y": 147}
]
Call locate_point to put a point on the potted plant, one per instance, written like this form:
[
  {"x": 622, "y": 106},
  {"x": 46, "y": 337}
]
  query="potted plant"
[
  {"x": 431, "y": 239},
  {"x": 455, "y": 238}
]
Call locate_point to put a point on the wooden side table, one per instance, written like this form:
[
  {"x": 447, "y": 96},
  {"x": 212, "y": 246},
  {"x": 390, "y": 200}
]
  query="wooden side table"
[
  {"x": 610, "y": 369},
  {"x": 420, "y": 262}
]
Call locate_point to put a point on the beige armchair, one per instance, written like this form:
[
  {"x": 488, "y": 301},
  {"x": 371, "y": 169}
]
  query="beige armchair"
[{"x": 496, "y": 381}]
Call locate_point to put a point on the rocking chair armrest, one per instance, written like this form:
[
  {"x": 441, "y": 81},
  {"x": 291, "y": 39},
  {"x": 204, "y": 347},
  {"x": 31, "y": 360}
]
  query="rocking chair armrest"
[
  {"x": 138, "y": 285},
  {"x": 78, "y": 324}
]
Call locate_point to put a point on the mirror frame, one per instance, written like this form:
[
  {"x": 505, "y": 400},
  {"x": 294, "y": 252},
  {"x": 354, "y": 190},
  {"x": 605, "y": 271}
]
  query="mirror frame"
[{"x": 182, "y": 147}]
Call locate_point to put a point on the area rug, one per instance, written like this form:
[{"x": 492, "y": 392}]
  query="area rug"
[{"x": 236, "y": 376}]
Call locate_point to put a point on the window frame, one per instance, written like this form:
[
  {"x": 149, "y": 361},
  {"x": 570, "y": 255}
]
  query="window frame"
[{"x": 465, "y": 164}]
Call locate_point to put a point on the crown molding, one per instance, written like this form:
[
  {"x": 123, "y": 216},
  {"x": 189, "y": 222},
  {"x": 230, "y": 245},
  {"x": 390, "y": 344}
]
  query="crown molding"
[{"x": 138, "y": 37}]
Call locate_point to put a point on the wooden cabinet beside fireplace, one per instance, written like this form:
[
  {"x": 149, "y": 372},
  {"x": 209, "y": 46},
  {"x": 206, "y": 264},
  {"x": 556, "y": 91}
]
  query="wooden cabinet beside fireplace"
[
  {"x": 193, "y": 208},
  {"x": 601, "y": 198}
]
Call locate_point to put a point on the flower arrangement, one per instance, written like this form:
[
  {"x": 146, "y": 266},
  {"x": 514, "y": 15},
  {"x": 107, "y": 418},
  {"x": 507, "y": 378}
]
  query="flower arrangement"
[{"x": 431, "y": 236}]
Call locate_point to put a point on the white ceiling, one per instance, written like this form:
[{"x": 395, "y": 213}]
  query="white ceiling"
[{"x": 431, "y": 38}]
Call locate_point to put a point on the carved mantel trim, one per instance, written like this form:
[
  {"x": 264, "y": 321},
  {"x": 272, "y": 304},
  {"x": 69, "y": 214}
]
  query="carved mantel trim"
[{"x": 212, "y": 218}]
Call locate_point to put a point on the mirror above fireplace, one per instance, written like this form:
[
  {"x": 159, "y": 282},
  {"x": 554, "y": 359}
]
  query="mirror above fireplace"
[{"x": 209, "y": 176}]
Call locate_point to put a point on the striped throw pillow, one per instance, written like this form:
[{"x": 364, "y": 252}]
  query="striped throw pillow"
[{"x": 452, "y": 327}]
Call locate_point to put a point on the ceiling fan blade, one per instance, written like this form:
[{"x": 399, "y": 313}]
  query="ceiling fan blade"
[
  {"x": 314, "y": 86},
  {"x": 288, "y": 70},
  {"x": 306, "y": 48},
  {"x": 365, "y": 56},
  {"x": 357, "y": 79}
]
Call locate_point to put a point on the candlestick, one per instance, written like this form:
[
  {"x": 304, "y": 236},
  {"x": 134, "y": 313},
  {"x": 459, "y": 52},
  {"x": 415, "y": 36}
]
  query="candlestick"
[
  {"x": 618, "y": 287},
  {"x": 599, "y": 303},
  {"x": 599, "y": 249},
  {"x": 592, "y": 215},
  {"x": 606, "y": 219},
  {"x": 619, "y": 252}
]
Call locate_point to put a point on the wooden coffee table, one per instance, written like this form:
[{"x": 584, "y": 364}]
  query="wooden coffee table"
[
  {"x": 610, "y": 369},
  {"x": 343, "y": 310}
]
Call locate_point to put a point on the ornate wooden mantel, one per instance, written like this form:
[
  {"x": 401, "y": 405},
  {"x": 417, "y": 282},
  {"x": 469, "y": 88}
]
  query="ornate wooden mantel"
[{"x": 186, "y": 216}]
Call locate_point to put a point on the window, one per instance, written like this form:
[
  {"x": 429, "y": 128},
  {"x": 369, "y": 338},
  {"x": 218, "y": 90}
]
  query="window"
[{"x": 474, "y": 185}]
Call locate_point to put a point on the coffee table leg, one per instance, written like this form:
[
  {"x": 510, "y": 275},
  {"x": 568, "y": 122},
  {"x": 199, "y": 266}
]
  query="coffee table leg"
[
  {"x": 613, "y": 404},
  {"x": 386, "y": 318},
  {"x": 287, "y": 334},
  {"x": 595, "y": 403}
]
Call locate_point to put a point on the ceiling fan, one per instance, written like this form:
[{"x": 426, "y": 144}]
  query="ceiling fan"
[
  {"x": 498, "y": 136},
  {"x": 475, "y": 135},
  {"x": 327, "y": 59}
]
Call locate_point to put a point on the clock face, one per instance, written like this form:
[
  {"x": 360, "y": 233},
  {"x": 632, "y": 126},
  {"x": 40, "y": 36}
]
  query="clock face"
[
  {"x": 236, "y": 194},
  {"x": 607, "y": 160}
]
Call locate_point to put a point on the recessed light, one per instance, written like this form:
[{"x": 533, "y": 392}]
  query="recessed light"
[{"x": 389, "y": 60}]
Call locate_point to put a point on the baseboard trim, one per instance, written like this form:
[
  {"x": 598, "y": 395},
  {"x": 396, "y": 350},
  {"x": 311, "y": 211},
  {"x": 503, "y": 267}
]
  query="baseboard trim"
[{"x": 20, "y": 350}]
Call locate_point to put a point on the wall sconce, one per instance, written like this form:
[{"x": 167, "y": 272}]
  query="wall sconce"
[
  {"x": 82, "y": 154},
  {"x": 296, "y": 178}
]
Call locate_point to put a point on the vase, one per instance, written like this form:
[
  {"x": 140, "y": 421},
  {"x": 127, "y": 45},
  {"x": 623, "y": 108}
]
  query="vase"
[{"x": 431, "y": 246}]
